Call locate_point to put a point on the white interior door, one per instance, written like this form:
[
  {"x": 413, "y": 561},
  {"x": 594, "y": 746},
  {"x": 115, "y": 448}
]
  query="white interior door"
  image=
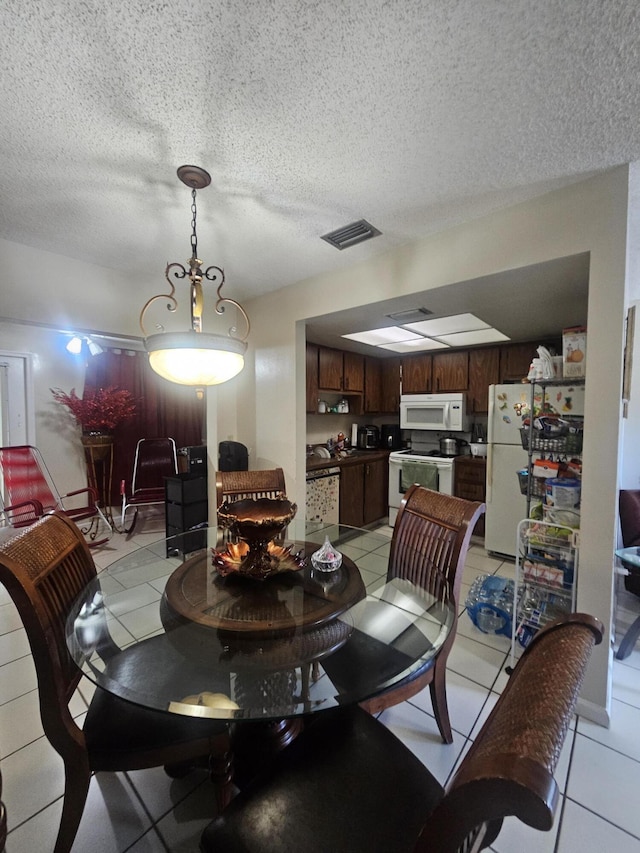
[{"x": 16, "y": 408}]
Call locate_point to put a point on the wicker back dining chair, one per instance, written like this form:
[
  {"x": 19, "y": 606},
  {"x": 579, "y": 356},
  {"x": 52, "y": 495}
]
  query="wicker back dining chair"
[
  {"x": 239, "y": 485},
  {"x": 347, "y": 784},
  {"x": 629, "y": 507},
  {"x": 44, "y": 568},
  {"x": 3, "y": 821},
  {"x": 430, "y": 541}
]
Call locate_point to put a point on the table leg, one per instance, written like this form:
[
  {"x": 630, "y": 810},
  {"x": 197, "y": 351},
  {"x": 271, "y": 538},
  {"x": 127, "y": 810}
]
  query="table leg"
[
  {"x": 629, "y": 641},
  {"x": 255, "y": 744}
]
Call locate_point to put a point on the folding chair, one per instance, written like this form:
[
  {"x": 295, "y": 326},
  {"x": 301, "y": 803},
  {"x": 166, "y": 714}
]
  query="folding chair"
[
  {"x": 29, "y": 492},
  {"x": 155, "y": 459}
]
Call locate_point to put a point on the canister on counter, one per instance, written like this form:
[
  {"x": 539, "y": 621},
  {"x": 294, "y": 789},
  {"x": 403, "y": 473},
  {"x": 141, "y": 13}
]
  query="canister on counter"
[{"x": 562, "y": 493}]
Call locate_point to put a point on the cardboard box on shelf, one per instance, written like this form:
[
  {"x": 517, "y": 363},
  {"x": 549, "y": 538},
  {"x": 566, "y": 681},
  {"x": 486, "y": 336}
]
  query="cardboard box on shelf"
[{"x": 574, "y": 351}]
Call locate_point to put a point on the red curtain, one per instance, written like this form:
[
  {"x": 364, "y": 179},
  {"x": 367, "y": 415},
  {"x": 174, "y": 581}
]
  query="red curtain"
[{"x": 163, "y": 409}]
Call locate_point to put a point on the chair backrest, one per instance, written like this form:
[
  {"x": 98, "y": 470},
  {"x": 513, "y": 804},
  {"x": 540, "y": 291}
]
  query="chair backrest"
[
  {"x": 155, "y": 459},
  {"x": 3, "y": 821},
  {"x": 629, "y": 505},
  {"x": 25, "y": 477},
  {"x": 44, "y": 568},
  {"x": 509, "y": 768},
  {"x": 239, "y": 485},
  {"x": 430, "y": 539}
]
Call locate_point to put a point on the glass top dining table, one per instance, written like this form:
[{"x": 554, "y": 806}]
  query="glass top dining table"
[{"x": 162, "y": 628}]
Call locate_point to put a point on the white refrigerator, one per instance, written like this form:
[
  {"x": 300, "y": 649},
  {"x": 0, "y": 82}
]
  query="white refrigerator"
[{"x": 508, "y": 406}]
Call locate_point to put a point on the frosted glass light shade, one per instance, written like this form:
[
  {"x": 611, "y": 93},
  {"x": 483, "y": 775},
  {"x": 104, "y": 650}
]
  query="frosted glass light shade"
[{"x": 195, "y": 358}]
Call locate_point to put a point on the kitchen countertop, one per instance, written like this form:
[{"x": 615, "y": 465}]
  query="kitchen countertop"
[{"x": 315, "y": 463}]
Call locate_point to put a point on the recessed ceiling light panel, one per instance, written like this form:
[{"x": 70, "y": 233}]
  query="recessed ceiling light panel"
[
  {"x": 389, "y": 334},
  {"x": 447, "y": 325},
  {"x": 468, "y": 339},
  {"x": 417, "y": 345}
]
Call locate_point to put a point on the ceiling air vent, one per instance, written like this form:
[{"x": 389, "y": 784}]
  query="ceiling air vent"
[
  {"x": 351, "y": 234},
  {"x": 413, "y": 315}
]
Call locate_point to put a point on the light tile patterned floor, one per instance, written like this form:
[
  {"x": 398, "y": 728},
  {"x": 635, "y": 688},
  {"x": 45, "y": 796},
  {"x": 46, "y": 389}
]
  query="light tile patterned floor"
[{"x": 146, "y": 812}]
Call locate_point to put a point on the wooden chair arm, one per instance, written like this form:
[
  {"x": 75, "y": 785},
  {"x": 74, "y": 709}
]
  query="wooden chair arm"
[{"x": 509, "y": 768}]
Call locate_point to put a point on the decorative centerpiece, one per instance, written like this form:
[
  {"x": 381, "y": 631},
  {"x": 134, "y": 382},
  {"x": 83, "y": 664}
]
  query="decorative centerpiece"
[
  {"x": 327, "y": 558},
  {"x": 256, "y": 523}
]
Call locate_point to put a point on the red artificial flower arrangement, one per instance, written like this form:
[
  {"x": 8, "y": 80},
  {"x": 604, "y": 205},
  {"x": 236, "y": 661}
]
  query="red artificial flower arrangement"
[{"x": 98, "y": 411}]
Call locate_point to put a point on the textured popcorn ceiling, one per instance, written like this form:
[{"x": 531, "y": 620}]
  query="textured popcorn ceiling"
[{"x": 414, "y": 114}]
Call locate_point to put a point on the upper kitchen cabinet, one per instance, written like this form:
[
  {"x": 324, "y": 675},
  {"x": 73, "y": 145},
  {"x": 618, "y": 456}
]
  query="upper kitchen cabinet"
[
  {"x": 515, "y": 359},
  {"x": 312, "y": 378},
  {"x": 416, "y": 374},
  {"x": 484, "y": 370},
  {"x": 450, "y": 371},
  {"x": 390, "y": 385},
  {"x": 330, "y": 369},
  {"x": 353, "y": 372},
  {"x": 372, "y": 385},
  {"x": 340, "y": 371}
]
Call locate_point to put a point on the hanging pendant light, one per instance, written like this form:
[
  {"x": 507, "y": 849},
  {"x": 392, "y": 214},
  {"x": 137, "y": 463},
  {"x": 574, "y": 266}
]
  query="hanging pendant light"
[{"x": 195, "y": 357}]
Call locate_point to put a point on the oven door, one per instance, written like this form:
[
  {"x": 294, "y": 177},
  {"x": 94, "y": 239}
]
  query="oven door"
[{"x": 405, "y": 471}]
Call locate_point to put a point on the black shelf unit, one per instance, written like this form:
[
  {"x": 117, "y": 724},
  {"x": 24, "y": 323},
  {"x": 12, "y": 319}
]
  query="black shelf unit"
[{"x": 186, "y": 512}]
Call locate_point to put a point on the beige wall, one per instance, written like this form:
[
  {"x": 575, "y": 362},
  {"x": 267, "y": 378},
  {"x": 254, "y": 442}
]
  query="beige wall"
[{"x": 590, "y": 216}]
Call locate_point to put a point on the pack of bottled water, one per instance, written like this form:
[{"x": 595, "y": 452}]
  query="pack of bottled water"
[{"x": 490, "y": 604}]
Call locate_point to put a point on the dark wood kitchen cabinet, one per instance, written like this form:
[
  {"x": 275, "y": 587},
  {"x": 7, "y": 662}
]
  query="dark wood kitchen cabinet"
[
  {"x": 515, "y": 359},
  {"x": 364, "y": 491},
  {"x": 416, "y": 374},
  {"x": 450, "y": 371},
  {"x": 469, "y": 482},
  {"x": 390, "y": 385},
  {"x": 484, "y": 370},
  {"x": 312, "y": 378},
  {"x": 330, "y": 369},
  {"x": 340, "y": 371},
  {"x": 353, "y": 372},
  {"x": 372, "y": 385},
  {"x": 376, "y": 489}
]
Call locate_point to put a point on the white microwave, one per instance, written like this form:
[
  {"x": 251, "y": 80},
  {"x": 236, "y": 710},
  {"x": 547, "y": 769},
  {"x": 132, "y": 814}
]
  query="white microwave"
[{"x": 434, "y": 411}]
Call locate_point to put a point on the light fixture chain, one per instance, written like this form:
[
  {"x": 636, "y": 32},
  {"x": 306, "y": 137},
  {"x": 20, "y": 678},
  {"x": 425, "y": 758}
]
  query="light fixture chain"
[{"x": 194, "y": 236}]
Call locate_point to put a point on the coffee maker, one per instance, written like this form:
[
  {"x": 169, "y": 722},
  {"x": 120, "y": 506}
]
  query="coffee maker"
[{"x": 368, "y": 438}]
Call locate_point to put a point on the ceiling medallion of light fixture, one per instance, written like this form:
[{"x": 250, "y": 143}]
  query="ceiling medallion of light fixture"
[{"x": 195, "y": 357}]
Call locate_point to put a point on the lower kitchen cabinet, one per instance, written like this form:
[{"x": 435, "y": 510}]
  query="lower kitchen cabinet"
[
  {"x": 469, "y": 482},
  {"x": 364, "y": 491}
]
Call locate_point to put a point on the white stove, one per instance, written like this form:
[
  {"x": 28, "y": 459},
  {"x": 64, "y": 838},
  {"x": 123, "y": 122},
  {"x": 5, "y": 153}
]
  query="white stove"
[{"x": 405, "y": 469}]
